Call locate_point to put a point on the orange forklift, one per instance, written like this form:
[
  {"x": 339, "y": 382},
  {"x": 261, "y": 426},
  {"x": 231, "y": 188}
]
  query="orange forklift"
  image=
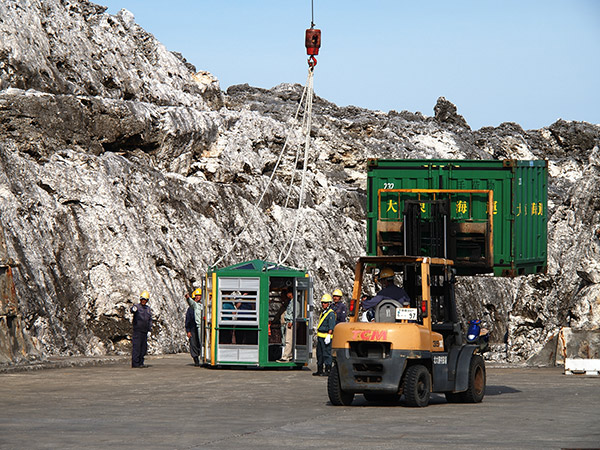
[
  {"x": 455, "y": 217},
  {"x": 407, "y": 349}
]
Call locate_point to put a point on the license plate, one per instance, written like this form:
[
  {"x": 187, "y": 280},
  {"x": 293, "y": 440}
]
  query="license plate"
[{"x": 406, "y": 313}]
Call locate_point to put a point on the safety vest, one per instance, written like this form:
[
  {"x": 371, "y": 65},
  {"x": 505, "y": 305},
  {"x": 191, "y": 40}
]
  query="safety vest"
[{"x": 321, "y": 320}]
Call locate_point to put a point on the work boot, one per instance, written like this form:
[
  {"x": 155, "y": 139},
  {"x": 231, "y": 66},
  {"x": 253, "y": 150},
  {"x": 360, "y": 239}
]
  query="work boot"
[
  {"x": 327, "y": 371},
  {"x": 318, "y": 372},
  {"x": 196, "y": 361}
]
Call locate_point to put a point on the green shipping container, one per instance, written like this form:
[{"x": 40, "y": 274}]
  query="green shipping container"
[{"x": 487, "y": 216}]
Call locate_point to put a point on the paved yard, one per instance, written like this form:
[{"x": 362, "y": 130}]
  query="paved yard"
[{"x": 174, "y": 405}]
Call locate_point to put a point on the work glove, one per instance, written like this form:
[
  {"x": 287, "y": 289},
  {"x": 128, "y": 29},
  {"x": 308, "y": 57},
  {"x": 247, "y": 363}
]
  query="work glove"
[
  {"x": 148, "y": 334},
  {"x": 327, "y": 339}
]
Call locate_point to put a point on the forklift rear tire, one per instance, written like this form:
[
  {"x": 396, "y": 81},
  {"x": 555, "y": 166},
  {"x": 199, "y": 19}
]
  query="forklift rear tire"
[
  {"x": 337, "y": 396},
  {"x": 476, "y": 389},
  {"x": 417, "y": 386}
]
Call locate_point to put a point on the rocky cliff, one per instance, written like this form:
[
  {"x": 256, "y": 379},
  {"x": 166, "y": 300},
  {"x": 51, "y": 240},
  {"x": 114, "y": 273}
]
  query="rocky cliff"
[{"x": 122, "y": 168}]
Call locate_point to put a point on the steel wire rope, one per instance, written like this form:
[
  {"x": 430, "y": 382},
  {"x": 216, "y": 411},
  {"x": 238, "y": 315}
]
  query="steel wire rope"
[
  {"x": 281, "y": 153},
  {"x": 309, "y": 81},
  {"x": 307, "y": 120},
  {"x": 299, "y": 215},
  {"x": 295, "y": 166},
  {"x": 295, "y": 169}
]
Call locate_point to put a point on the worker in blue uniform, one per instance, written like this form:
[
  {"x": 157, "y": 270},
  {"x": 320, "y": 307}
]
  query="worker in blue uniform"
[
  {"x": 339, "y": 307},
  {"x": 142, "y": 324},
  {"x": 191, "y": 326},
  {"x": 389, "y": 290},
  {"x": 324, "y": 336}
]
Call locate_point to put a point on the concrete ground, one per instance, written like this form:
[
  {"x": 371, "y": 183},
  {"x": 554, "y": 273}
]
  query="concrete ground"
[{"x": 174, "y": 405}]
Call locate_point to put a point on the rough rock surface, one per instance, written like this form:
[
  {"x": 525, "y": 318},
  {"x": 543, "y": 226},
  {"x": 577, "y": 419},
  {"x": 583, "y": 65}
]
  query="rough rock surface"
[{"x": 122, "y": 169}]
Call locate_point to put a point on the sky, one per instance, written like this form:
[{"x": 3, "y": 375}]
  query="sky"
[{"x": 525, "y": 61}]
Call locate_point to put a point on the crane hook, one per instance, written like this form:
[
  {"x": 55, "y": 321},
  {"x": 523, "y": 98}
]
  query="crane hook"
[{"x": 312, "y": 43}]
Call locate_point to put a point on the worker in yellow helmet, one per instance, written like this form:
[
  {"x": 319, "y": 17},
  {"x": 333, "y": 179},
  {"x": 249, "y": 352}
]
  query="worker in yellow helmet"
[
  {"x": 324, "y": 336},
  {"x": 193, "y": 324},
  {"x": 142, "y": 324},
  {"x": 390, "y": 290},
  {"x": 339, "y": 306}
]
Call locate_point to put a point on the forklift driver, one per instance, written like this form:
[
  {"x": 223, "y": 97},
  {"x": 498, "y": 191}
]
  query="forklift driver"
[{"x": 389, "y": 290}]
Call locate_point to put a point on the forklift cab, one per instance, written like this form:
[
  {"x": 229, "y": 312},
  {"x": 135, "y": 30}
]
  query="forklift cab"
[
  {"x": 409, "y": 348},
  {"x": 246, "y": 306},
  {"x": 429, "y": 283}
]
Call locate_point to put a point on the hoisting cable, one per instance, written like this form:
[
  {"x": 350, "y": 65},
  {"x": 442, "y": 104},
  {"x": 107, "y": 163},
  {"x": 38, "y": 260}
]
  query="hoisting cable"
[
  {"x": 297, "y": 154},
  {"x": 312, "y": 43},
  {"x": 308, "y": 115},
  {"x": 293, "y": 174},
  {"x": 255, "y": 206}
]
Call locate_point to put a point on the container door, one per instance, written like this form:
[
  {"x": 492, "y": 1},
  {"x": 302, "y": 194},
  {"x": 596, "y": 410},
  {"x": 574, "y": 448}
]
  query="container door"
[
  {"x": 302, "y": 321},
  {"x": 238, "y": 310},
  {"x": 207, "y": 341}
]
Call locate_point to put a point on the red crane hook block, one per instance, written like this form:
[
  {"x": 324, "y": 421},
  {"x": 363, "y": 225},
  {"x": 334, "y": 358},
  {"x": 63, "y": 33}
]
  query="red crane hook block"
[{"x": 313, "y": 41}]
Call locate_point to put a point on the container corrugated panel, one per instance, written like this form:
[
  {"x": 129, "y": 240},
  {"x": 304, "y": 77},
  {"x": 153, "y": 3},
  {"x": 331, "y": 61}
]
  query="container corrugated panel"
[{"x": 496, "y": 212}]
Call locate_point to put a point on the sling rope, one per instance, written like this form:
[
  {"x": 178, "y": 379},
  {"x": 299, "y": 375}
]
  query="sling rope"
[
  {"x": 308, "y": 116},
  {"x": 312, "y": 42},
  {"x": 270, "y": 181}
]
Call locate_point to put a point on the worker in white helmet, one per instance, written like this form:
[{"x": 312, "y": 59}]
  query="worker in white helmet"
[{"x": 324, "y": 336}]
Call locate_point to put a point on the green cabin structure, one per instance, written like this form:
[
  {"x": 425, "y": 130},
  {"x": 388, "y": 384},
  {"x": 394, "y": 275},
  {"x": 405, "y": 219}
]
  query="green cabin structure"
[{"x": 244, "y": 308}]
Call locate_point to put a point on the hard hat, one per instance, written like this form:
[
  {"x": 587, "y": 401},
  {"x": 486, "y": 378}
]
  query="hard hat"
[
  {"x": 326, "y": 298},
  {"x": 145, "y": 294},
  {"x": 197, "y": 292},
  {"x": 386, "y": 272},
  {"x": 337, "y": 293}
]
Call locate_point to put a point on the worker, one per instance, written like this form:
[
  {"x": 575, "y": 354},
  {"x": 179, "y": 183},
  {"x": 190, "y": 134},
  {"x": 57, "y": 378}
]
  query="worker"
[
  {"x": 245, "y": 310},
  {"x": 324, "y": 336},
  {"x": 389, "y": 290},
  {"x": 366, "y": 315},
  {"x": 142, "y": 324},
  {"x": 196, "y": 305},
  {"x": 279, "y": 317},
  {"x": 191, "y": 328},
  {"x": 339, "y": 307},
  {"x": 288, "y": 318},
  {"x": 229, "y": 312}
]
